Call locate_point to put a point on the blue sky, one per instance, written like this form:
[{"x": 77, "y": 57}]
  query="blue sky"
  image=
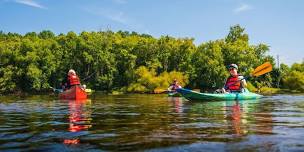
[{"x": 277, "y": 23}]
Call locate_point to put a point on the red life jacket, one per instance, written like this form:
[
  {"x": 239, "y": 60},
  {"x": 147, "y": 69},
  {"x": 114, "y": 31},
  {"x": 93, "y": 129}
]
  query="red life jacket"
[
  {"x": 233, "y": 83},
  {"x": 74, "y": 80}
]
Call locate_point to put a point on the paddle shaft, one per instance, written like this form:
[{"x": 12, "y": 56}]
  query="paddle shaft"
[
  {"x": 54, "y": 89},
  {"x": 86, "y": 78}
]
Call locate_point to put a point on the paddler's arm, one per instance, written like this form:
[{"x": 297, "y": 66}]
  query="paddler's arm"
[
  {"x": 224, "y": 87},
  {"x": 170, "y": 88},
  {"x": 243, "y": 81}
]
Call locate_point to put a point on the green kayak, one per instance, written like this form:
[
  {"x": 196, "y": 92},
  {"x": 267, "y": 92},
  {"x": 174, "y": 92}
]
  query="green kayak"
[{"x": 193, "y": 95}]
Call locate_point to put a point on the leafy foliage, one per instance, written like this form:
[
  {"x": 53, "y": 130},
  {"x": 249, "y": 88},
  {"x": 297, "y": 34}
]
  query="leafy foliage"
[
  {"x": 107, "y": 60},
  {"x": 294, "y": 77},
  {"x": 147, "y": 80}
]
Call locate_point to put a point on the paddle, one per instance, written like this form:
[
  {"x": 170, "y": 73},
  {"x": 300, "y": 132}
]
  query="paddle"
[
  {"x": 88, "y": 77},
  {"x": 169, "y": 90},
  {"x": 57, "y": 90},
  {"x": 158, "y": 91},
  {"x": 262, "y": 69}
]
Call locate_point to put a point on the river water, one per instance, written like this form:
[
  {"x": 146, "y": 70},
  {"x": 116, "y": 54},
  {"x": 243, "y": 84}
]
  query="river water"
[{"x": 151, "y": 123}]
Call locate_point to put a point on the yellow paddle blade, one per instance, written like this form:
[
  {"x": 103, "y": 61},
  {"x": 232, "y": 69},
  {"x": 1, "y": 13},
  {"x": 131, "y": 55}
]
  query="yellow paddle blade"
[
  {"x": 262, "y": 69},
  {"x": 88, "y": 90},
  {"x": 158, "y": 90}
]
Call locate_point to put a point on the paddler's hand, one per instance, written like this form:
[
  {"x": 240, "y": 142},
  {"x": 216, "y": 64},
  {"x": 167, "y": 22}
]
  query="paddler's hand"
[{"x": 240, "y": 78}]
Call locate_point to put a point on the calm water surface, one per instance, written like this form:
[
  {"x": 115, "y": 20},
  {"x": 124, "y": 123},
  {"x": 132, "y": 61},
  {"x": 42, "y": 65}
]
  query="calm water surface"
[{"x": 151, "y": 123}]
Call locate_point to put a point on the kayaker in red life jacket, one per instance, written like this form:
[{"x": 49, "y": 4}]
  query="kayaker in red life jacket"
[
  {"x": 174, "y": 86},
  {"x": 72, "y": 79},
  {"x": 235, "y": 82}
]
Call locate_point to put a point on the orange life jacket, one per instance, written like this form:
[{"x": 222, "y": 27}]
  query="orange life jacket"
[
  {"x": 233, "y": 83},
  {"x": 74, "y": 80}
]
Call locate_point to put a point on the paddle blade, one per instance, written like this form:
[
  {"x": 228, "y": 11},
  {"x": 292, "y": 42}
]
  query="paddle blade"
[
  {"x": 158, "y": 91},
  {"x": 262, "y": 69}
]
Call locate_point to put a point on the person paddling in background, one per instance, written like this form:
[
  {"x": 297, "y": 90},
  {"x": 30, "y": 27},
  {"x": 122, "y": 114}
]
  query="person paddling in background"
[
  {"x": 235, "y": 82},
  {"x": 174, "y": 86}
]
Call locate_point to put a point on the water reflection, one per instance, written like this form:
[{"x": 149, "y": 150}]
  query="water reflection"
[
  {"x": 79, "y": 118},
  {"x": 244, "y": 118},
  {"x": 177, "y": 103},
  {"x": 237, "y": 118},
  {"x": 234, "y": 114}
]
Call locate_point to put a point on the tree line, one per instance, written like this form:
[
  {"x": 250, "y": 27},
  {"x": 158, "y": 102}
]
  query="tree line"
[{"x": 132, "y": 62}]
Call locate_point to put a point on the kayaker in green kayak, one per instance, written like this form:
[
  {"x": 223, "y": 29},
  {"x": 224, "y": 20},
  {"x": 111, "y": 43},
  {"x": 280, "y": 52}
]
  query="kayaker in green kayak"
[
  {"x": 174, "y": 86},
  {"x": 235, "y": 82},
  {"x": 234, "y": 87}
]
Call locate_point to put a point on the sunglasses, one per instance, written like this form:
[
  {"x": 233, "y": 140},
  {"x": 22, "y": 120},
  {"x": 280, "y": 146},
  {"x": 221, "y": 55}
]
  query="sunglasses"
[{"x": 231, "y": 69}]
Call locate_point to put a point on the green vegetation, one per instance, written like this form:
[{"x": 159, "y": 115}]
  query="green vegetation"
[
  {"x": 293, "y": 78},
  {"x": 131, "y": 62},
  {"x": 148, "y": 80}
]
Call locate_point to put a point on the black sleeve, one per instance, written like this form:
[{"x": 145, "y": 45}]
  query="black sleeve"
[{"x": 66, "y": 81}]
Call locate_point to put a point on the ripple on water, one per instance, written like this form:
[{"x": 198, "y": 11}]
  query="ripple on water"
[
  {"x": 13, "y": 136},
  {"x": 199, "y": 125},
  {"x": 98, "y": 136},
  {"x": 14, "y": 146}
]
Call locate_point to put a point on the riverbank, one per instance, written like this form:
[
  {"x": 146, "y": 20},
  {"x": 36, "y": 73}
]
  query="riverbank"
[
  {"x": 262, "y": 90},
  {"x": 270, "y": 91}
]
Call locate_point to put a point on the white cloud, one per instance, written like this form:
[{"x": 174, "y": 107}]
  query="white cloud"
[
  {"x": 30, "y": 3},
  {"x": 242, "y": 8}
]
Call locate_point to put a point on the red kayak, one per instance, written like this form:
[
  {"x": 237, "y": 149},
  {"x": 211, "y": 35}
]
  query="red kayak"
[{"x": 74, "y": 93}]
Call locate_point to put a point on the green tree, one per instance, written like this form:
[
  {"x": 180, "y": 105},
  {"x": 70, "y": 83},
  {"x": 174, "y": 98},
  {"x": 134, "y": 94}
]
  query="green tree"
[
  {"x": 294, "y": 81},
  {"x": 208, "y": 62}
]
